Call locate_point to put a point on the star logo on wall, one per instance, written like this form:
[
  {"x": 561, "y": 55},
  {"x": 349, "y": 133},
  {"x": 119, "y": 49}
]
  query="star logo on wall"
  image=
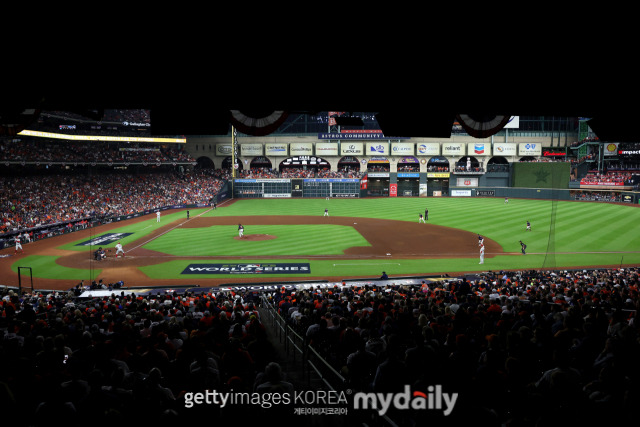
[{"x": 541, "y": 175}]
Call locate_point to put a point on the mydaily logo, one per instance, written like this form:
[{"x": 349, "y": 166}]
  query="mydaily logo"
[{"x": 434, "y": 399}]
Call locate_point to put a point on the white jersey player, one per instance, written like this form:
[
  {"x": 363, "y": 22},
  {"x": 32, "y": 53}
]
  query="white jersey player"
[
  {"x": 18, "y": 244},
  {"x": 119, "y": 249}
]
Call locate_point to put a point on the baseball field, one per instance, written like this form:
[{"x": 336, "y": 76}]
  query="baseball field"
[{"x": 292, "y": 240}]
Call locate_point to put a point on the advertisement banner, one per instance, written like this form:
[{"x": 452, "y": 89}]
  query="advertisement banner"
[
  {"x": 280, "y": 268},
  {"x": 610, "y": 149},
  {"x": 326, "y": 149},
  {"x": 377, "y": 148},
  {"x": 276, "y": 149},
  {"x": 301, "y": 149},
  {"x": 351, "y": 148},
  {"x": 453, "y": 149},
  {"x": 402, "y": 149},
  {"x": 428, "y": 149},
  {"x": 485, "y": 193},
  {"x": 504, "y": 149},
  {"x": 393, "y": 190},
  {"x": 460, "y": 193},
  {"x": 251, "y": 150},
  {"x": 422, "y": 192},
  {"x": 479, "y": 148},
  {"x": 438, "y": 174},
  {"x": 530, "y": 149},
  {"x": 467, "y": 182},
  {"x": 224, "y": 150}
]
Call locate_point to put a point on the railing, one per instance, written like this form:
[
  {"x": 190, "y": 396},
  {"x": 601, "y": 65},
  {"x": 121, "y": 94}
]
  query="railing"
[{"x": 311, "y": 361}]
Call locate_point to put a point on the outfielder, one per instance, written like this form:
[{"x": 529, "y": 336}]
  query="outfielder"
[
  {"x": 119, "y": 249},
  {"x": 18, "y": 244}
]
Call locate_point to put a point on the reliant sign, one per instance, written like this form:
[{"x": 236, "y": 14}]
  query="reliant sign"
[
  {"x": 286, "y": 268},
  {"x": 453, "y": 149}
]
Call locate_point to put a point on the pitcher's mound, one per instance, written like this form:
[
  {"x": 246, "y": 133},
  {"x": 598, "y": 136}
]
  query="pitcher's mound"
[{"x": 256, "y": 237}]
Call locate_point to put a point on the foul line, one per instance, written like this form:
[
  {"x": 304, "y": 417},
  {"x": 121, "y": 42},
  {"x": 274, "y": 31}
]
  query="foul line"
[{"x": 165, "y": 232}]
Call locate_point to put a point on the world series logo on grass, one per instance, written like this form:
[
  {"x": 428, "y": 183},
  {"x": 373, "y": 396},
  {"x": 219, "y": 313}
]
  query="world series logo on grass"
[
  {"x": 286, "y": 268},
  {"x": 105, "y": 239}
]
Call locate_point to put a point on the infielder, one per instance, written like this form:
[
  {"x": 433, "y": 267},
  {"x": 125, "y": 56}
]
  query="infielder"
[
  {"x": 18, "y": 244},
  {"x": 506, "y": 200},
  {"x": 421, "y": 219},
  {"x": 326, "y": 212},
  {"x": 158, "y": 216},
  {"x": 481, "y": 254},
  {"x": 119, "y": 249},
  {"x": 523, "y": 246},
  {"x": 240, "y": 231}
]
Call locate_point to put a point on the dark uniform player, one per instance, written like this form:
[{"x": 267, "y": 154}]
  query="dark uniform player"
[
  {"x": 426, "y": 214},
  {"x": 523, "y": 246},
  {"x": 480, "y": 240},
  {"x": 528, "y": 226}
]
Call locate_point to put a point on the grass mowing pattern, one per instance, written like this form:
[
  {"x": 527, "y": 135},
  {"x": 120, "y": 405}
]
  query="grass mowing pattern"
[
  {"x": 598, "y": 233},
  {"x": 220, "y": 240}
]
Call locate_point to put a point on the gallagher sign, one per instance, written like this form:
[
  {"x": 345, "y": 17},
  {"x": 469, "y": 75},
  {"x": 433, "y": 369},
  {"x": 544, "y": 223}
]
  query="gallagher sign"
[{"x": 288, "y": 268}]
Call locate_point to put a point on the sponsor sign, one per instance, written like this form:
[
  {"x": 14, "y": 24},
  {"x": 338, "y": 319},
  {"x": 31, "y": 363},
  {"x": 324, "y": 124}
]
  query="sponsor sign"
[
  {"x": 352, "y": 136},
  {"x": 461, "y": 193},
  {"x": 351, "y": 148},
  {"x": 402, "y": 149},
  {"x": 485, "y": 193},
  {"x": 504, "y": 149},
  {"x": 378, "y": 174},
  {"x": 300, "y": 149},
  {"x": 251, "y": 149},
  {"x": 393, "y": 190},
  {"x": 479, "y": 149},
  {"x": 276, "y": 195},
  {"x": 273, "y": 149},
  {"x": 467, "y": 182},
  {"x": 428, "y": 149},
  {"x": 377, "y": 148},
  {"x": 326, "y": 149},
  {"x": 104, "y": 239},
  {"x": 438, "y": 174},
  {"x": 279, "y": 268},
  {"x": 224, "y": 150},
  {"x": 610, "y": 149},
  {"x": 530, "y": 149},
  {"x": 408, "y": 175},
  {"x": 453, "y": 149}
]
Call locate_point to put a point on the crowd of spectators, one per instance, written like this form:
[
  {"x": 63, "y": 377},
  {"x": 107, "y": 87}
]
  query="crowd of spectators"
[
  {"x": 45, "y": 150},
  {"x": 607, "y": 178},
  {"x": 521, "y": 348},
  {"x": 34, "y": 200},
  {"x": 128, "y": 359}
]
